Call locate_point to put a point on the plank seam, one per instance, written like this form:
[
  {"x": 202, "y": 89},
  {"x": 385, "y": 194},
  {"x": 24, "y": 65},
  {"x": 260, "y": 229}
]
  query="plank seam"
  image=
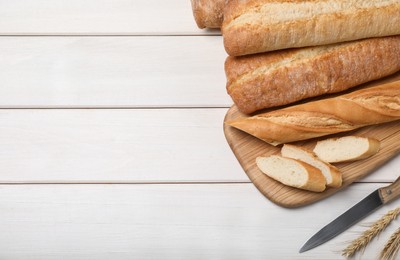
[
  {"x": 115, "y": 108},
  {"x": 108, "y": 35},
  {"x": 156, "y": 183}
]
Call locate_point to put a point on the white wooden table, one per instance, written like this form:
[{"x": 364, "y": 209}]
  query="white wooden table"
[{"x": 112, "y": 144}]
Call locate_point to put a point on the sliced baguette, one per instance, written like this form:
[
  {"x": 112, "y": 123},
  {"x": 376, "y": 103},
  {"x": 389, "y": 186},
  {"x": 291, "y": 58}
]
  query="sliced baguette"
[
  {"x": 331, "y": 173},
  {"x": 345, "y": 149},
  {"x": 292, "y": 173}
]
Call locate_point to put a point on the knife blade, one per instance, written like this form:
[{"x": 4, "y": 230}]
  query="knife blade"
[{"x": 359, "y": 211}]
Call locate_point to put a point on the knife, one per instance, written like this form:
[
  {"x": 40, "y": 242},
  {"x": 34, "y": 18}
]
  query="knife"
[{"x": 359, "y": 211}]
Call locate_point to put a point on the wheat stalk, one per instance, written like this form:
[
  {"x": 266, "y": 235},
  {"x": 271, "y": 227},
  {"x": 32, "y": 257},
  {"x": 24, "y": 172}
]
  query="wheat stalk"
[
  {"x": 392, "y": 246},
  {"x": 362, "y": 241}
]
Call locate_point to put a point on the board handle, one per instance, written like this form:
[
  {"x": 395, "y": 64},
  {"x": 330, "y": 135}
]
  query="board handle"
[{"x": 390, "y": 192}]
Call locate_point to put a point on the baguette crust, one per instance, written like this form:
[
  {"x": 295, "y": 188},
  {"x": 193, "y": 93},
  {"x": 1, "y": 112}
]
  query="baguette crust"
[
  {"x": 208, "y": 13},
  {"x": 272, "y": 79},
  {"x": 374, "y": 145},
  {"x": 329, "y": 116},
  {"x": 255, "y": 26}
]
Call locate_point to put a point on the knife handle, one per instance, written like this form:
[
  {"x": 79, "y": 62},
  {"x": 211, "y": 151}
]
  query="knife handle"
[{"x": 390, "y": 192}]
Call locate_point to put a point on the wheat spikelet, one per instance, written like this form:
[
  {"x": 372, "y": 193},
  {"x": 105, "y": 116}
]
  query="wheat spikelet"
[
  {"x": 392, "y": 246},
  {"x": 362, "y": 241}
]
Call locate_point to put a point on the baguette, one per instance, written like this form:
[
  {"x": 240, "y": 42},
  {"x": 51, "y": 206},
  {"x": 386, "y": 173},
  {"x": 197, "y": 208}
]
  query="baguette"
[
  {"x": 332, "y": 175},
  {"x": 208, "y": 13},
  {"x": 346, "y": 149},
  {"x": 292, "y": 173},
  {"x": 279, "y": 78},
  {"x": 329, "y": 116},
  {"x": 255, "y": 26}
]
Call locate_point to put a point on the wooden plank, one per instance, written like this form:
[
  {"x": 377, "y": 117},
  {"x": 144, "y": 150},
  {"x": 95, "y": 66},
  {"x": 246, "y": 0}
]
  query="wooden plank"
[
  {"x": 122, "y": 145},
  {"x": 112, "y": 72},
  {"x": 207, "y": 221},
  {"x": 98, "y": 17},
  {"x": 154, "y": 145}
]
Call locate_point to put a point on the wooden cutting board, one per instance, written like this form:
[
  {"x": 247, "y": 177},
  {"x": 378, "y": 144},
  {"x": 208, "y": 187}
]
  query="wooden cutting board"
[{"x": 246, "y": 148}]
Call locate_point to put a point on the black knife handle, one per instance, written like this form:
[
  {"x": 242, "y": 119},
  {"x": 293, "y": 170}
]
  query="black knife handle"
[{"x": 390, "y": 192}]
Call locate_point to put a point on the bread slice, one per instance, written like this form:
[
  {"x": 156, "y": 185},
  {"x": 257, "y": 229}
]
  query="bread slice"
[
  {"x": 292, "y": 173},
  {"x": 331, "y": 173},
  {"x": 345, "y": 149}
]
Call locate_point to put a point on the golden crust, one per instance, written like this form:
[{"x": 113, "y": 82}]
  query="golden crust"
[
  {"x": 208, "y": 13},
  {"x": 324, "y": 117},
  {"x": 277, "y": 133},
  {"x": 336, "y": 177},
  {"x": 273, "y": 25},
  {"x": 273, "y": 79}
]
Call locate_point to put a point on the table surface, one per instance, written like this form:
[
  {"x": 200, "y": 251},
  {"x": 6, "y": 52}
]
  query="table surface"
[{"x": 112, "y": 145}]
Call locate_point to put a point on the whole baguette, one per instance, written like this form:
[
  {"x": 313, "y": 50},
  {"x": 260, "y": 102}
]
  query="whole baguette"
[
  {"x": 208, "y": 13},
  {"x": 360, "y": 108},
  {"x": 254, "y": 26},
  {"x": 282, "y": 77}
]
